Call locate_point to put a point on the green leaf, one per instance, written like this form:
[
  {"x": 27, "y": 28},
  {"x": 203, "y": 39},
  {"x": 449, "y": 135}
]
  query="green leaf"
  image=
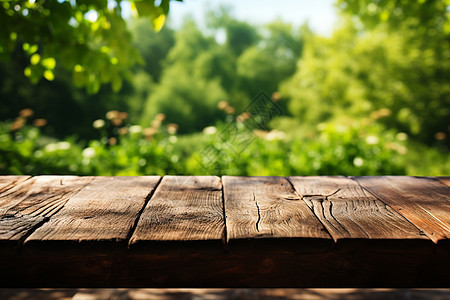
[
  {"x": 145, "y": 8},
  {"x": 157, "y": 14},
  {"x": 48, "y": 63},
  {"x": 48, "y": 74},
  {"x": 27, "y": 71},
  {"x": 13, "y": 36},
  {"x": 158, "y": 22},
  {"x": 165, "y": 6},
  {"x": 384, "y": 16},
  {"x": 33, "y": 49},
  {"x": 35, "y": 58}
]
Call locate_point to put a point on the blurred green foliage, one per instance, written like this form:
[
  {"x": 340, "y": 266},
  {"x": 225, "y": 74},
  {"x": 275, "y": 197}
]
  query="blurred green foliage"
[
  {"x": 373, "y": 98},
  {"x": 131, "y": 149},
  {"x": 351, "y": 148},
  {"x": 404, "y": 47}
]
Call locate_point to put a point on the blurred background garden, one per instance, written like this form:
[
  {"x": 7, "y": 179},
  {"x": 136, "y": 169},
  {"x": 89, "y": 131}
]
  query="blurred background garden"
[{"x": 110, "y": 88}]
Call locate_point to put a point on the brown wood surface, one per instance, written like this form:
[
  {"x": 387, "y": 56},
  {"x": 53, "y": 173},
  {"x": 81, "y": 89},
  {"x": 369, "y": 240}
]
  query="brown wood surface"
[
  {"x": 183, "y": 208},
  {"x": 106, "y": 209},
  {"x": 348, "y": 211},
  {"x": 444, "y": 180},
  {"x": 267, "y": 207},
  {"x": 276, "y": 240},
  {"x": 423, "y": 201},
  {"x": 33, "y": 201},
  {"x": 7, "y": 182},
  {"x": 255, "y": 263}
]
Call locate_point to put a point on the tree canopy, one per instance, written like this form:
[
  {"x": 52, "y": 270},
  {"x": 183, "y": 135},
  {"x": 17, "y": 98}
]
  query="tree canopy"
[
  {"x": 371, "y": 98},
  {"x": 87, "y": 37},
  {"x": 387, "y": 56}
]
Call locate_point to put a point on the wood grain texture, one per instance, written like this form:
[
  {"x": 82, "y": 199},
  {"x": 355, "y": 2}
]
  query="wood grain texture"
[
  {"x": 33, "y": 201},
  {"x": 7, "y": 182},
  {"x": 177, "y": 234},
  {"x": 105, "y": 210},
  {"x": 183, "y": 208},
  {"x": 423, "y": 201},
  {"x": 444, "y": 180},
  {"x": 267, "y": 207},
  {"x": 348, "y": 211}
]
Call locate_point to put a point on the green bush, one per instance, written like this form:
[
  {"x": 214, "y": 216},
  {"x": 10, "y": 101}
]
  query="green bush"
[
  {"x": 337, "y": 149},
  {"x": 230, "y": 148}
]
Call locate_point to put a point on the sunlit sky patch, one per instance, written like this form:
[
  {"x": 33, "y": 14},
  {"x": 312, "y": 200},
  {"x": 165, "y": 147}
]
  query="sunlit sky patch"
[{"x": 320, "y": 14}]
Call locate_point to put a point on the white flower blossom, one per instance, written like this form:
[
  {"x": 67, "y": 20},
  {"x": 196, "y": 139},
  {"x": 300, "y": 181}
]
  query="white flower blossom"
[
  {"x": 63, "y": 145},
  {"x": 209, "y": 130},
  {"x": 135, "y": 129},
  {"x": 358, "y": 161},
  {"x": 88, "y": 152},
  {"x": 97, "y": 124},
  {"x": 372, "y": 140}
]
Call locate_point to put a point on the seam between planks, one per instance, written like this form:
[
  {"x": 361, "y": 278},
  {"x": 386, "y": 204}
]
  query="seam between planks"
[
  {"x": 387, "y": 205},
  {"x": 311, "y": 209},
  {"x": 138, "y": 217},
  {"x": 434, "y": 178},
  {"x": 225, "y": 230},
  {"x": 22, "y": 240}
]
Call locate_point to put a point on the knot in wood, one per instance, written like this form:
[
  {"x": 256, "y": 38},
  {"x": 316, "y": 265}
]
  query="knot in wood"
[
  {"x": 318, "y": 198},
  {"x": 8, "y": 216}
]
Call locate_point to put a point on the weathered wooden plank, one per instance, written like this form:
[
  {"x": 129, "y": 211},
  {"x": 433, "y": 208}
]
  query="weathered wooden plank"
[
  {"x": 183, "y": 208},
  {"x": 250, "y": 263},
  {"x": 7, "y": 182},
  {"x": 267, "y": 207},
  {"x": 423, "y": 201},
  {"x": 348, "y": 211},
  {"x": 445, "y": 180},
  {"x": 104, "y": 210},
  {"x": 33, "y": 201},
  {"x": 253, "y": 262}
]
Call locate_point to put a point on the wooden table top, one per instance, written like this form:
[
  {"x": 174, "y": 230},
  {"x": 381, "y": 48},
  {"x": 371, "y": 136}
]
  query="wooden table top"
[{"x": 197, "y": 231}]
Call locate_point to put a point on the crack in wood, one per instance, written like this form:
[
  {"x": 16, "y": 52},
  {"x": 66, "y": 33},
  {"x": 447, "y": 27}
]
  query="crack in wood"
[
  {"x": 225, "y": 233},
  {"x": 311, "y": 206},
  {"x": 320, "y": 195},
  {"x": 8, "y": 216},
  {"x": 259, "y": 212},
  {"x": 331, "y": 209},
  {"x": 321, "y": 200},
  {"x": 138, "y": 217},
  {"x": 44, "y": 215},
  {"x": 322, "y": 209},
  {"x": 337, "y": 221},
  {"x": 21, "y": 242}
]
